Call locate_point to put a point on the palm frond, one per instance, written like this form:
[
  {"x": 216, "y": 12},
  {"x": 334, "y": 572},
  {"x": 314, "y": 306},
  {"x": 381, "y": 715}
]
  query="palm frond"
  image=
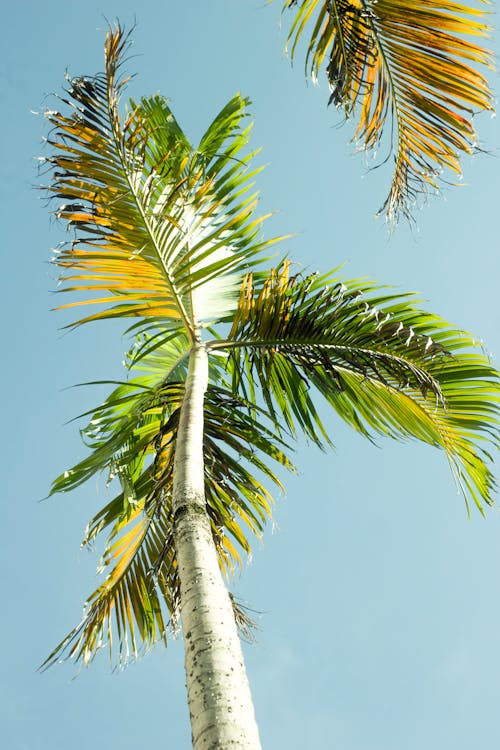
[
  {"x": 161, "y": 229},
  {"x": 378, "y": 360},
  {"x": 132, "y": 437},
  {"x": 122, "y": 428},
  {"x": 132, "y": 603},
  {"x": 407, "y": 66}
]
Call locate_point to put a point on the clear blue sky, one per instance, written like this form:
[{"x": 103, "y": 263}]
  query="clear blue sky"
[{"x": 380, "y": 599}]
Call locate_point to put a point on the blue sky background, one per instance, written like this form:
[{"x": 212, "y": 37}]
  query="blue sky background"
[{"x": 380, "y": 598}]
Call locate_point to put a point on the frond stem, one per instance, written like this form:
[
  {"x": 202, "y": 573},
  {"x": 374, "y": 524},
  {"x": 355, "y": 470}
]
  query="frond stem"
[{"x": 115, "y": 121}]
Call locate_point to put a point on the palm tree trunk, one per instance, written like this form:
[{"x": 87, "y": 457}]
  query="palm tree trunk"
[{"x": 220, "y": 704}]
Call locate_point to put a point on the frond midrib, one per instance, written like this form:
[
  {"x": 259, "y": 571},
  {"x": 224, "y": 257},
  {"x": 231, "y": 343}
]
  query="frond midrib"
[
  {"x": 189, "y": 325},
  {"x": 311, "y": 345}
]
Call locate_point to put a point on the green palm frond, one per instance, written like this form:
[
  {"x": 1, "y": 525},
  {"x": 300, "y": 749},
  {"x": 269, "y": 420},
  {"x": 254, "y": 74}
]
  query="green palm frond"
[
  {"x": 160, "y": 229},
  {"x": 122, "y": 429},
  {"x": 408, "y": 64},
  {"x": 378, "y": 360},
  {"x": 132, "y": 437}
]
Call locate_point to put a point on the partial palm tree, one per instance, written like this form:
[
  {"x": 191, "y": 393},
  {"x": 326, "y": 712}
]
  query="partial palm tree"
[
  {"x": 230, "y": 354},
  {"x": 409, "y": 71}
]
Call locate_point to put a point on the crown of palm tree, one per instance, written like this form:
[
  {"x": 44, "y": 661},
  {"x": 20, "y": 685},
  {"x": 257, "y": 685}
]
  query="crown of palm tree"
[{"x": 168, "y": 233}]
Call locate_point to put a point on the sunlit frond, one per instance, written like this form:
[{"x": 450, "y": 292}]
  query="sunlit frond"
[
  {"x": 160, "y": 229},
  {"x": 407, "y": 67},
  {"x": 377, "y": 359},
  {"x": 139, "y": 598}
]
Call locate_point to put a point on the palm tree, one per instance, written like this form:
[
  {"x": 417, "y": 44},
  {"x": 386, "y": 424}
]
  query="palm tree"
[
  {"x": 227, "y": 359},
  {"x": 408, "y": 62}
]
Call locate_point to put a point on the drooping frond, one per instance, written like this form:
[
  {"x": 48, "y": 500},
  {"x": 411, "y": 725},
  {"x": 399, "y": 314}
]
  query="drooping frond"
[
  {"x": 407, "y": 67},
  {"x": 159, "y": 229},
  {"x": 379, "y": 361},
  {"x": 139, "y": 598},
  {"x": 133, "y": 437}
]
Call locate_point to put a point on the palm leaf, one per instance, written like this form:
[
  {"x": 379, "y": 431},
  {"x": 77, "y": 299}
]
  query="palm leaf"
[
  {"x": 131, "y": 602},
  {"x": 133, "y": 436},
  {"x": 377, "y": 359},
  {"x": 159, "y": 226},
  {"x": 408, "y": 64}
]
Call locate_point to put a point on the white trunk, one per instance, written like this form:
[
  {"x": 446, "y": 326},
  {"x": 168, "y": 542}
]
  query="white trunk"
[{"x": 220, "y": 704}]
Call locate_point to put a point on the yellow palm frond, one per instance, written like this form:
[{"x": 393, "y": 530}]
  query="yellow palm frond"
[
  {"x": 408, "y": 65},
  {"x": 160, "y": 229}
]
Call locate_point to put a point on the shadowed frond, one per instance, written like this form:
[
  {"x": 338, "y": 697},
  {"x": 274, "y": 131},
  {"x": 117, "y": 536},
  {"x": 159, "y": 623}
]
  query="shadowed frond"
[
  {"x": 160, "y": 229},
  {"x": 133, "y": 437},
  {"x": 408, "y": 65},
  {"x": 379, "y": 361}
]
